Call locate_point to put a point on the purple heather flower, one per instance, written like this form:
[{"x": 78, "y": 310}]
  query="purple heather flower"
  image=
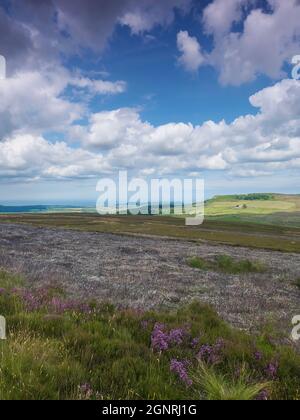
[
  {"x": 211, "y": 354},
  {"x": 263, "y": 396},
  {"x": 57, "y": 305},
  {"x": 205, "y": 351},
  {"x": 159, "y": 338},
  {"x": 272, "y": 370},
  {"x": 86, "y": 387},
  {"x": 41, "y": 299},
  {"x": 195, "y": 342},
  {"x": 31, "y": 301},
  {"x": 180, "y": 368},
  {"x": 86, "y": 391},
  {"x": 258, "y": 356},
  {"x": 176, "y": 336},
  {"x": 62, "y": 306}
]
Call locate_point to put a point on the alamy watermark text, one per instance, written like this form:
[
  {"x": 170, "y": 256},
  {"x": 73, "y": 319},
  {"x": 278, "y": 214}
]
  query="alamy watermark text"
[
  {"x": 152, "y": 197},
  {"x": 2, "y": 67},
  {"x": 296, "y": 69},
  {"x": 2, "y": 328}
]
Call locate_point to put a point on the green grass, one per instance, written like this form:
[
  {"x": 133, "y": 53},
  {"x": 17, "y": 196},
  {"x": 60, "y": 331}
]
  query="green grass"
[
  {"x": 232, "y": 232},
  {"x": 219, "y": 387},
  {"x": 200, "y": 263},
  {"x": 226, "y": 264},
  {"x": 106, "y": 353}
]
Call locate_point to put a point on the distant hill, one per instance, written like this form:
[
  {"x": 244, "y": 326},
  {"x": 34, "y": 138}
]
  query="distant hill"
[{"x": 267, "y": 208}]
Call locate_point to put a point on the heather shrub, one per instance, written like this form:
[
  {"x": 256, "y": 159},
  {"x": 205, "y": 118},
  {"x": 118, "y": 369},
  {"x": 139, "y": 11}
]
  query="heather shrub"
[{"x": 58, "y": 348}]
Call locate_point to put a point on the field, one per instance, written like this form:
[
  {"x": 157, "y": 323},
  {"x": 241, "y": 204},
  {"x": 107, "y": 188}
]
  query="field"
[{"x": 277, "y": 210}]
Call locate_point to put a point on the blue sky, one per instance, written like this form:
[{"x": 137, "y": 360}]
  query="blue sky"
[
  {"x": 177, "y": 88},
  {"x": 159, "y": 86},
  {"x": 151, "y": 71}
]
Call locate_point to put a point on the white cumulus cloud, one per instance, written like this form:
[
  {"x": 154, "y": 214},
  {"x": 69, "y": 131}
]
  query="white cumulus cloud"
[
  {"x": 33, "y": 101},
  {"x": 28, "y": 156},
  {"x": 191, "y": 57},
  {"x": 248, "y": 40}
]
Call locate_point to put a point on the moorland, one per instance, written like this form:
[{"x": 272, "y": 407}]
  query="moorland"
[{"x": 102, "y": 307}]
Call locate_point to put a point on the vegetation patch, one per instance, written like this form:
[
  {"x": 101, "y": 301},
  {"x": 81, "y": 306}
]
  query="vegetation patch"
[
  {"x": 58, "y": 348},
  {"x": 227, "y": 264}
]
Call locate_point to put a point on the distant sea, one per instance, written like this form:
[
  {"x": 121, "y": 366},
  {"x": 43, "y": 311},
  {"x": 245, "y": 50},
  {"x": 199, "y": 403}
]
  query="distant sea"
[{"x": 45, "y": 209}]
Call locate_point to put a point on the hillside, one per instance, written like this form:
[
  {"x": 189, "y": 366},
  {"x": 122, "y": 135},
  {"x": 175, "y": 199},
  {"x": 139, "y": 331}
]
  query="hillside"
[{"x": 278, "y": 209}]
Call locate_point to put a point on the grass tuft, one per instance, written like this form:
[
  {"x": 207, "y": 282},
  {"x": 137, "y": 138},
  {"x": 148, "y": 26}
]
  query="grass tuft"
[
  {"x": 218, "y": 387},
  {"x": 199, "y": 263},
  {"x": 227, "y": 264}
]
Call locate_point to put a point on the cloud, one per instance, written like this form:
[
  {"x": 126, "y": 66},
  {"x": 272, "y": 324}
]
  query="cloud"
[
  {"x": 35, "y": 102},
  {"x": 38, "y": 103},
  {"x": 31, "y": 102},
  {"x": 99, "y": 87},
  {"x": 108, "y": 128},
  {"x": 248, "y": 40},
  {"x": 36, "y": 33},
  {"x": 33, "y": 157},
  {"x": 90, "y": 23},
  {"x": 191, "y": 55},
  {"x": 279, "y": 101},
  {"x": 267, "y": 42},
  {"x": 251, "y": 145},
  {"x": 144, "y": 15},
  {"x": 15, "y": 41},
  {"x": 219, "y": 16}
]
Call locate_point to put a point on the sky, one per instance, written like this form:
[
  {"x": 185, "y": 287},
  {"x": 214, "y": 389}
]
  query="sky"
[{"x": 162, "y": 89}]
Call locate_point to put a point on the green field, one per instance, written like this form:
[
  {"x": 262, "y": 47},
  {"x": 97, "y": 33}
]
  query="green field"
[{"x": 274, "y": 209}]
